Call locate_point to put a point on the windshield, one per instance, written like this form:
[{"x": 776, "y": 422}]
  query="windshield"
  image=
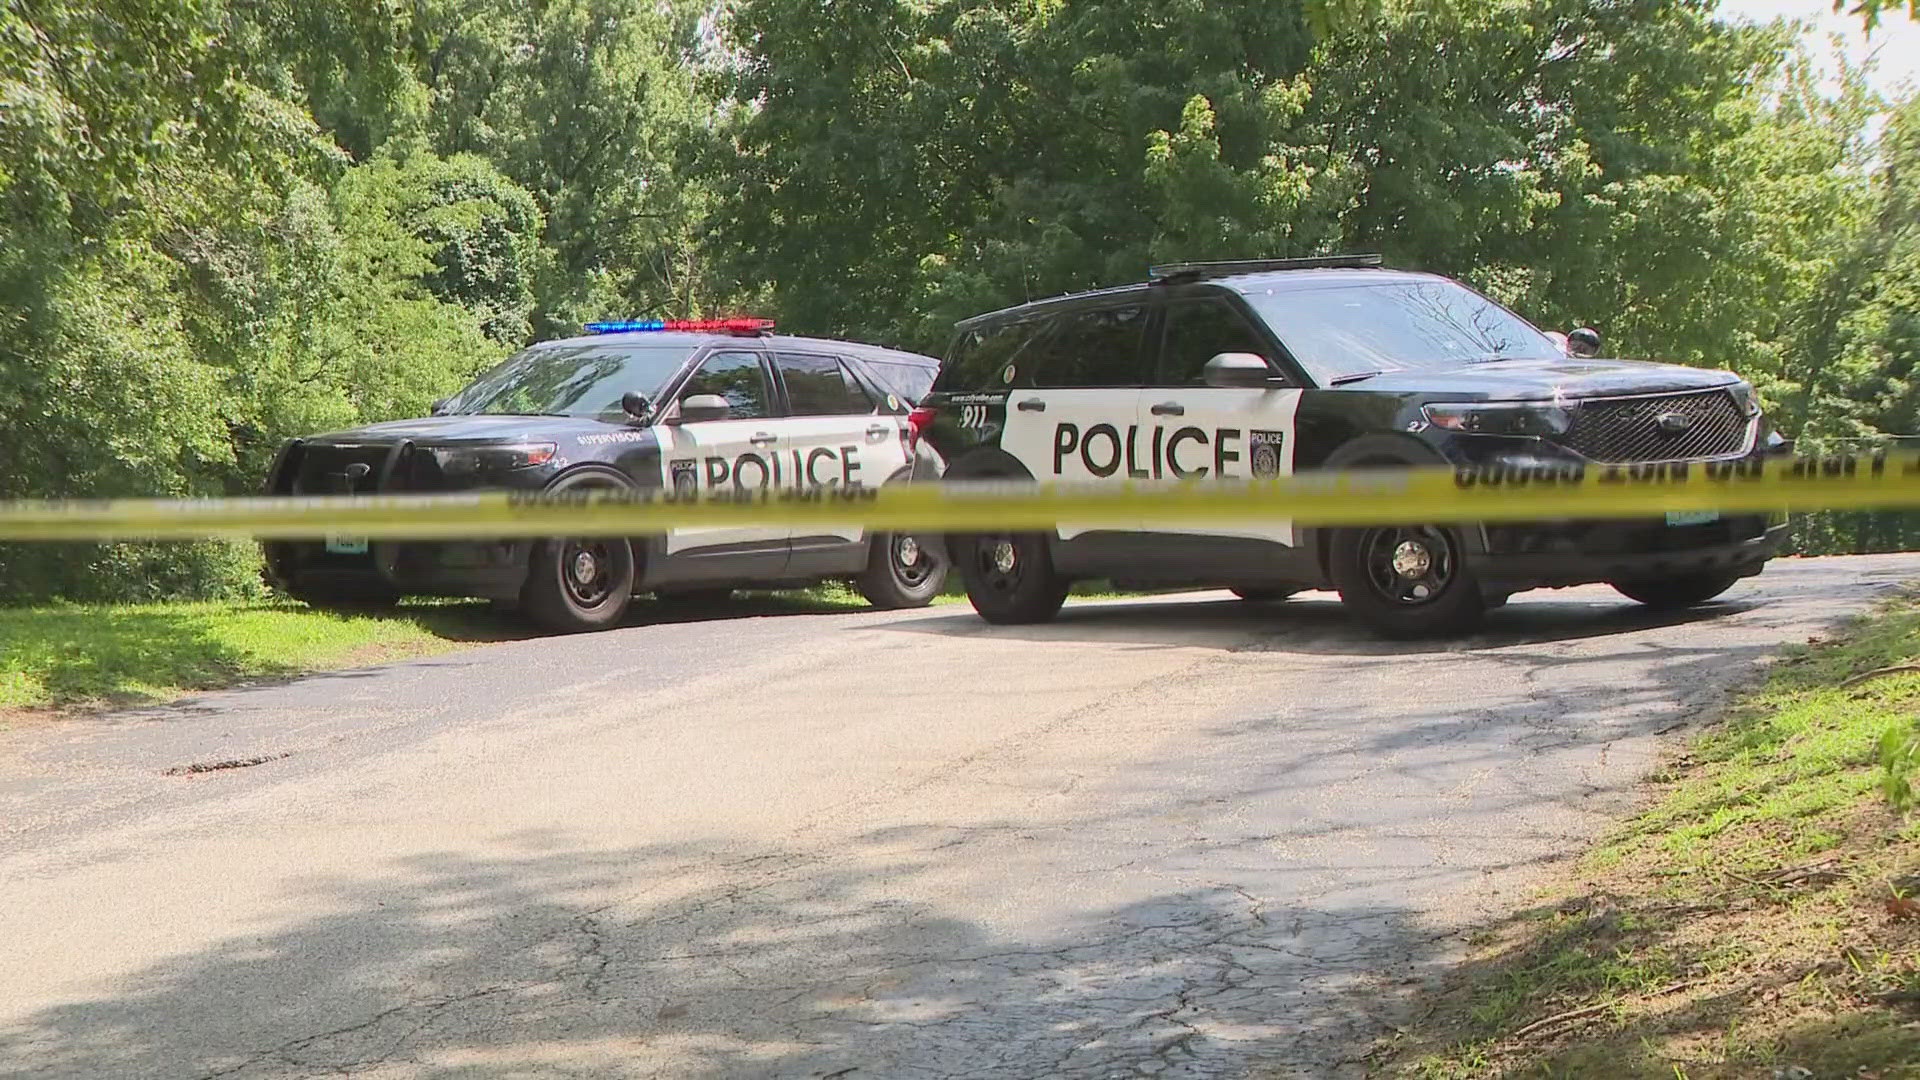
[
  {"x": 1403, "y": 326},
  {"x": 571, "y": 380}
]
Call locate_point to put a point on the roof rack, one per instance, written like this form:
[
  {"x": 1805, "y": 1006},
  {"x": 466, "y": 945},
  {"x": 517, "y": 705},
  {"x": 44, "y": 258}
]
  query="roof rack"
[{"x": 1174, "y": 273}]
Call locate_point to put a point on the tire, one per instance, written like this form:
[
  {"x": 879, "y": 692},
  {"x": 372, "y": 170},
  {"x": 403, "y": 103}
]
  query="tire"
[
  {"x": 1010, "y": 577},
  {"x": 1405, "y": 581},
  {"x": 902, "y": 572},
  {"x": 578, "y": 584},
  {"x": 1677, "y": 591},
  {"x": 694, "y": 597},
  {"x": 1263, "y": 595}
]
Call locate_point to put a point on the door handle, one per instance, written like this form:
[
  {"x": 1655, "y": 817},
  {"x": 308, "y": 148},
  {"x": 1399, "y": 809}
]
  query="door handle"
[
  {"x": 1169, "y": 408},
  {"x": 761, "y": 438},
  {"x": 878, "y": 431},
  {"x": 1032, "y": 404}
]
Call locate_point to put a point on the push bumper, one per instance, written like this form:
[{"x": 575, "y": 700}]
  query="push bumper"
[{"x": 1560, "y": 554}]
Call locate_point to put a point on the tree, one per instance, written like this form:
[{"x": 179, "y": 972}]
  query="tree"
[{"x": 589, "y": 105}]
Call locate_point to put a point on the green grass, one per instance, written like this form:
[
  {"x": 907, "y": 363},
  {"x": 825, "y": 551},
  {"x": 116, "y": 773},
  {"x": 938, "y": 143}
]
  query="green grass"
[
  {"x": 100, "y": 655},
  {"x": 93, "y": 656},
  {"x": 1748, "y": 921}
]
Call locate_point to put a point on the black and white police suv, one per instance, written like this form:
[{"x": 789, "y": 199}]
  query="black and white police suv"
[
  {"x": 713, "y": 405},
  {"x": 1260, "y": 369}
]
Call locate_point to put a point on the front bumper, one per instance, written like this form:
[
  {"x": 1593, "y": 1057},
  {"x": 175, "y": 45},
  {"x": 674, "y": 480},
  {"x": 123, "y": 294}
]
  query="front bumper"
[
  {"x": 1560, "y": 554},
  {"x": 494, "y": 569}
]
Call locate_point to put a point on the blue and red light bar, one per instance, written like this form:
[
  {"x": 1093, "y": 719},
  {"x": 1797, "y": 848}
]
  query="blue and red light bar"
[{"x": 688, "y": 326}]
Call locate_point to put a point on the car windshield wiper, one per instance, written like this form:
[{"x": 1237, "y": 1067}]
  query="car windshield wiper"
[{"x": 1342, "y": 380}]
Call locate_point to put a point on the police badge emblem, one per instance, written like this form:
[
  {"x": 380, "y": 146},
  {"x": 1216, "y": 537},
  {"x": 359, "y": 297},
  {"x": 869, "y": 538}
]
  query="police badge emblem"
[
  {"x": 686, "y": 476},
  {"x": 1264, "y": 452}
]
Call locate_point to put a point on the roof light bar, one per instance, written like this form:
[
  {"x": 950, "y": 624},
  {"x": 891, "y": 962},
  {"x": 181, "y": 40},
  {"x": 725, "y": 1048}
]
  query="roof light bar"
[
  {"x": 690, "y": 326},
  {"x": 1196, "y": 271}
]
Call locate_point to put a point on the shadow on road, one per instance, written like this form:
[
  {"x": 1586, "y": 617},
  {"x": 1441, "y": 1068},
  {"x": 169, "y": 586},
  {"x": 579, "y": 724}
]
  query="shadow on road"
[
  {"x": 1315, "y": 623},
  {"x": 569, "y": 963}
]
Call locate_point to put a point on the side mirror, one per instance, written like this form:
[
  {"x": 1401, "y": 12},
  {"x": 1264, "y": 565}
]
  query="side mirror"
[
  {"x": 636, "y": 406},
  {"x": 438, "y": 407},
  {"x": 700, "y": 407},
  {"x": 1584, "y": 342},
  {"x": 1238, "y": 369}
]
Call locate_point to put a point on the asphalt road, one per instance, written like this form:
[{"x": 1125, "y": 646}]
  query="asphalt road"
[{"x": 1187, "y": 837}]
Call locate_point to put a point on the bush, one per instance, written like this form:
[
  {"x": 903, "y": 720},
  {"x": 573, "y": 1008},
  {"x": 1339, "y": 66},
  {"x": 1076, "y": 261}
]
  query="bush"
[{"x": 130, "y": 572}]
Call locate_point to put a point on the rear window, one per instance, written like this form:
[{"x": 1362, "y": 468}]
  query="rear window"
[{"x": 993, "y": 355}]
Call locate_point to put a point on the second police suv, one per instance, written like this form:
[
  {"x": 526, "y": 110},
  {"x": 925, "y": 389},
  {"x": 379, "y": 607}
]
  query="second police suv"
[
  {"x": 1260, "y": 369},
  {"x": 709, "y": 405}
]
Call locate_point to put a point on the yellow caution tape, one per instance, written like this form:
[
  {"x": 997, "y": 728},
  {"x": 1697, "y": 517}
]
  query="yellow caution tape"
[{"x": 1361, "y": 497}]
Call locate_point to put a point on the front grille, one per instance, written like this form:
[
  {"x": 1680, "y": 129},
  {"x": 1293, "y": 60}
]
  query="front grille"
[
  {"x": 325, "y": 469},
  {"x": 1631, "y": 429}
]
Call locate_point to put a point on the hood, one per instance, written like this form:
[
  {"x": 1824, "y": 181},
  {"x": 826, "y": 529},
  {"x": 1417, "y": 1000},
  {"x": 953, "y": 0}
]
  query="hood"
[
  {"x": 1548, "y": 380},
  {"x": 437, "y": 430}
]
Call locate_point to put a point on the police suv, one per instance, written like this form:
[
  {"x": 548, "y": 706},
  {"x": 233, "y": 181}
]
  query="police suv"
[
  {"x": 695, "y": 406},
  {"x": 1215, "y": 371}
]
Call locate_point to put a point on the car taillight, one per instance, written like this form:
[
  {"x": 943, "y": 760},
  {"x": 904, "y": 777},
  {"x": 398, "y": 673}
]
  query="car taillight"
[{"x": 918, "y": 421}]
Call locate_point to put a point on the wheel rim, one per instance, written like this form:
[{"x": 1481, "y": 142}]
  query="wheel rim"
[
  {"x": 912, "y": 563},
  {"x": 1409, "y": 567},
  {"x": 998, "y": 560},
  {"x": 586, "y": 569}
]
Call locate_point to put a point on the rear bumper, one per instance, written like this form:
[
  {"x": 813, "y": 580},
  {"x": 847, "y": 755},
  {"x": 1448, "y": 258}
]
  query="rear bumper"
[{"x": 1560, "y": 554}]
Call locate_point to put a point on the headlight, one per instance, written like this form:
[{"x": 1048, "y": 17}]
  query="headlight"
[
  {"x": 1745, "y": 398},
  {"x": 492, "y": 457},
  {"x": 1501, "y": 418}
]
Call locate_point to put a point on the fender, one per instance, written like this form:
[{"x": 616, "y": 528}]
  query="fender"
[
  {"x": 1379, "y": 450},
  {"x": 983, "y": 463},
  {"x": 593, "y": 472}
]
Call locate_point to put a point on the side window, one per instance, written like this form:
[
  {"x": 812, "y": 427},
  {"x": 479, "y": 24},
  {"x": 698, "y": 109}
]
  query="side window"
[
  {"x": 821, "y": 386},
  {"x": 1199, "y": 330},
  {"x": 1097, "y": 347},
  {"x": 910, "y": 382},
  {"x": 863, "y": 400},
  {"x": 736, "y": 376}
]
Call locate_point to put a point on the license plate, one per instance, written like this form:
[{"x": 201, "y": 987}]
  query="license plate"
[
  {"x": 338, "y": 544},
  {"x": 1692, "y": 517}
]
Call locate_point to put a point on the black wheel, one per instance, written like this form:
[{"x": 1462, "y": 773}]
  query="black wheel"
[
  {"x": 1263, "y": 595},
  {"x": 693, "y": 597},
  {"x": 1677, "y": 591},
  {"x": 577, "y": 584},
  {"x": 902, "y": 572},
  {"x": 1010, "y": 577},
  {"x": 1405, "y": 581}
]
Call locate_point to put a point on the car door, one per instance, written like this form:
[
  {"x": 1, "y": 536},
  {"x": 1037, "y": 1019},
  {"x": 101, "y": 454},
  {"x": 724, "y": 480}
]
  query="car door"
[
  {"x": 1218, "y": 433},
  {"x": 835, "y": 436},
  {"x": 1073, "y": 413},
  {"x": 736, "y": 453}
]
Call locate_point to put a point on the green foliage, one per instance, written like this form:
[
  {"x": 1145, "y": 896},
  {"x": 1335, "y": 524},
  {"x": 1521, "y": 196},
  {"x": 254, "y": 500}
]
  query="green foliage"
[
  {"x": 225, "y": 222},
  {"x": 1870, "y": 11},
  {"x": 1899, "y": 763}
]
